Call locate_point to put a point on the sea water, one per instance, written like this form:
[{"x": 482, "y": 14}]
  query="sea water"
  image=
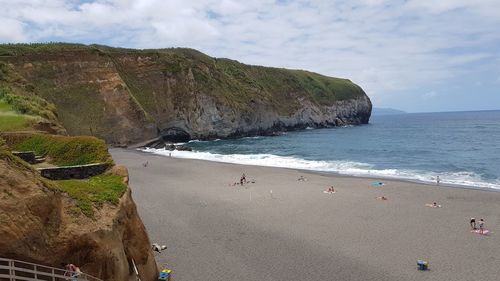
[{"x": 462, "y": 148}]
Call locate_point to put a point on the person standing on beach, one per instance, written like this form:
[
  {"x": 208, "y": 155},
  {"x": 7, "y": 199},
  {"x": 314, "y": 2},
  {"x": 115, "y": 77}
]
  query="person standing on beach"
[
  {"x": 438, "y": 180},
  {"x": 243, "y": 179},
  {"x": 481, "y": 226},
  {"x": 473, "y": 223}
]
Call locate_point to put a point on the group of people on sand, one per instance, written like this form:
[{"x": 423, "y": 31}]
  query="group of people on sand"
[
  {"x": 330, "y": 190},
  {"x": 475, "y": 227}
]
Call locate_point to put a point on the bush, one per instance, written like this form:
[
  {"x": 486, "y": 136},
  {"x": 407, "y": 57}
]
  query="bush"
[
  {"x": 67, "y": 151},
  {"x": 30, "y": 105}
]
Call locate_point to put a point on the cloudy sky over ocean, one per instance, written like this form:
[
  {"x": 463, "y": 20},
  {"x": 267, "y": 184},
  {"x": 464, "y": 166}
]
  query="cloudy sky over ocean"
[{"x": 421, "y": 55}]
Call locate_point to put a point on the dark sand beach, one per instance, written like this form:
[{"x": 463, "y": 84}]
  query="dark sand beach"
[{"x": 215, "y": 231}]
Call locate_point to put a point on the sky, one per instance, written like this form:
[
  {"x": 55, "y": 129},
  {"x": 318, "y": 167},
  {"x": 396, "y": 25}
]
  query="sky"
[{"x": 413, "y": 55}]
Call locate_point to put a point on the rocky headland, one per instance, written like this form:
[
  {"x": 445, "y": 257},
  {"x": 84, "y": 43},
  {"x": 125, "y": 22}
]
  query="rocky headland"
[{"x": 127, "y": 96}]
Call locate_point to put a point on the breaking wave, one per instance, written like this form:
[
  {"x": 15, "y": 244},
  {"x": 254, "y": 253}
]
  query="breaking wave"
[{"x": 463, "y": 178}]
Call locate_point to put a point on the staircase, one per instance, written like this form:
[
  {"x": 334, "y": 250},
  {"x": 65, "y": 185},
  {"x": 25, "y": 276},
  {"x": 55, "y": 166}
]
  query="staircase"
[{"x": 12, "y": 270}]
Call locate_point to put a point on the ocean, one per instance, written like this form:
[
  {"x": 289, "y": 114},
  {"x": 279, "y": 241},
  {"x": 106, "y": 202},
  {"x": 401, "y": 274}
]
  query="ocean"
[{"x": 462, "y": 148}]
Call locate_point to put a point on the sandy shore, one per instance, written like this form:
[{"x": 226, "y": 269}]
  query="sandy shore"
[{"x": 219, "y": 232}]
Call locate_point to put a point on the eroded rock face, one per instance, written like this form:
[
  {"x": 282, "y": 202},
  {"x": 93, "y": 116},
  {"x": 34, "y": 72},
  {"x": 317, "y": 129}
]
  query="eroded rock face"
[
  {"x": 130, "y": 96},
  {"x": 41, "y": 225},
  {"x": 217, "y": 121}
]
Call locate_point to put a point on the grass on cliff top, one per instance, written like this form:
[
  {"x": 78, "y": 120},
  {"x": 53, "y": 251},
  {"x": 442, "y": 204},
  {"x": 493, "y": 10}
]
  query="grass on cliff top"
[
  {"x": 34, "y": 48},
  {"x": 229, "y": 82},
  {"x": 66, "y": 151},
  {"x": 93, "y": 192},
  {"x": 22, "y": 113},
  {"x": 11, "y": 121},
  {"x": 29, "y": 105}
]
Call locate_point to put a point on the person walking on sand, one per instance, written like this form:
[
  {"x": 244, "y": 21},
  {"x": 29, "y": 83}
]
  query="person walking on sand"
[
  {"x": 481, "y": 226},
  {"x": 473, "y": 223}
]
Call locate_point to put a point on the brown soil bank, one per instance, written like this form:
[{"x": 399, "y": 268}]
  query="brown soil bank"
[
  {"x": 126, "y": 95},
  {"x": 40, "y": 224}
]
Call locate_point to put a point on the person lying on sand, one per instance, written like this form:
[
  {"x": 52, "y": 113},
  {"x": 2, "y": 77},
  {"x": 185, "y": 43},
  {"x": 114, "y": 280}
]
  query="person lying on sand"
[
  {"x": 433, "y": 205},
  {"x": 382, "y": 198},
  {"x": 301, "y": 178},
  {"x": 330, "y": 190},
  {"x": 242, "y": 182},
  {"x": 157, "y": 248}
]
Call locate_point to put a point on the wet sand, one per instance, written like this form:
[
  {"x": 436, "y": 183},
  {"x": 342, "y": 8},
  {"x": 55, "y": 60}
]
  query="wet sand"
[{"x": 216, "y": 231}]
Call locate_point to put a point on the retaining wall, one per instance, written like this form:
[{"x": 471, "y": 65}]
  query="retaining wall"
[
  {"x": 28, "y": 156},
  {"x": 74, "y": 172}
]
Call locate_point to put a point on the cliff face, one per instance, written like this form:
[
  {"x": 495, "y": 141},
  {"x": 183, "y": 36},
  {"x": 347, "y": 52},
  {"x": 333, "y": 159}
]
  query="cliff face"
[
  {"x": 42, "y": 225},
  {"x": 125, "y": 95}
]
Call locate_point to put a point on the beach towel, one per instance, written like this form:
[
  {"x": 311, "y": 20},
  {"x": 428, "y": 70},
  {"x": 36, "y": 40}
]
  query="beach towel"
[
  {"x": 378, "y": 183},
  {"x": 432, "y": 206},
  {"x": 485, "y": 231}
]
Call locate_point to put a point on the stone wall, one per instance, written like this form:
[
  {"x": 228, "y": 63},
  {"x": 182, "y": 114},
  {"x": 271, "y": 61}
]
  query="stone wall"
[
  {"x": 28, "y": 156},
  {"x": 74, "y": 172}
]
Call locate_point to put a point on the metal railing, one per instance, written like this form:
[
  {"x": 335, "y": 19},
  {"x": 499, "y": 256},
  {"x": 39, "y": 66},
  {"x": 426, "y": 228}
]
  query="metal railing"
[{"x": 13, "y": 270}]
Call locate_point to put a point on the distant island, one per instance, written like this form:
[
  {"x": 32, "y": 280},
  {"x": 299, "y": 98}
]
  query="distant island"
[{"x": 376, "y": 111}]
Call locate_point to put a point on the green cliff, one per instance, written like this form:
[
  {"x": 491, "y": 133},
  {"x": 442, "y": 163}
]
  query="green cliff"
[{"x": 126, "y": 95}]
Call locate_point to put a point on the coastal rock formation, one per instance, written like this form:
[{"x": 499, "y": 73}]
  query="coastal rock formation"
[
  {"x": 40, "y": 224},
  {"x": 126, "y": 95}
]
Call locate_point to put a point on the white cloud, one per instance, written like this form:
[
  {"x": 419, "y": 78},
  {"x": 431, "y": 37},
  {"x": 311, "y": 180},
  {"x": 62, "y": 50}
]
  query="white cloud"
[
  {"x": 388, "y": 47},
  {"x": 429, "y": 95},
  {"x": 11, "y": 30}
]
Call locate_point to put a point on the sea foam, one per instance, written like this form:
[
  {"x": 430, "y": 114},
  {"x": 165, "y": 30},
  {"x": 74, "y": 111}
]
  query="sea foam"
[{"x": 350, "y": 168}]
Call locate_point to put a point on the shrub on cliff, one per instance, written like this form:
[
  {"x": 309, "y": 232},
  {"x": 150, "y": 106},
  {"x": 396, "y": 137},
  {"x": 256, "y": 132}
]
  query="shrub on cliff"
[
  {"x": 31, "y": 105},
  {"x": 66, "y": 151}
]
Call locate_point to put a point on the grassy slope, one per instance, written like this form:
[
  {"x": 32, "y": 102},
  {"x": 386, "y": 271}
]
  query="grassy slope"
[
  {"x": 93, "y": 192},
  {"x": 89, "y": 194},
  {"x": 234, "y": 83},
  {"x": 11, "y": 121},
  {"x": 66, "y": 151},
  {"x": 230, "y": 82}
]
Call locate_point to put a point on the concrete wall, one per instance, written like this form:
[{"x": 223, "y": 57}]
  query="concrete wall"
[{"x": 73, "y": 172}]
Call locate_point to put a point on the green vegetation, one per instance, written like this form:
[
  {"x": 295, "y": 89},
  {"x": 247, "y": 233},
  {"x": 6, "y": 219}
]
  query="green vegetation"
[
  {"x": 34, "y": 48},
  {"x": 94, "y": 191},
  {"x": 66, "y": 151},
  {"x": 3, "y": 71},
  {"x": 29, "y": 105},
  {"x": 5, "y": 107},
  {"x": 11, "y": 121},
  {"x": 159, "y": 83},
  {"x": 15, "y": 161},
  {"x": 89, "y": 194}
]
